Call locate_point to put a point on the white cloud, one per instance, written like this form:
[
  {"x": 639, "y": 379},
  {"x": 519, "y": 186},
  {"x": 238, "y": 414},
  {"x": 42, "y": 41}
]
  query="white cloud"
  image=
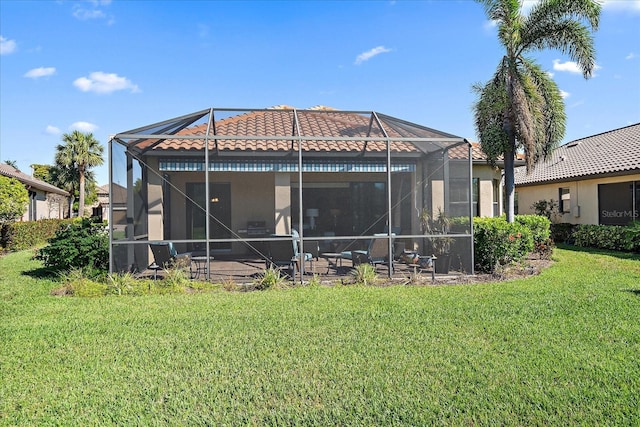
[
  {"x": 100, "y": 82},
  {"x": 631, "y": 56},
  {"x": 564, "y": 94},
  {"x": 36, "y": 73},
  {"x": 7, "y": 46},
  {"x": 365, "y": 56},
  {"x": 490, "y": 25},
  {"x": 52, "y": 130},
  {"x": 83, "y": 126},
  {"x": 571, "y": 67},
  {"x": 95, "y": 11},
  {"x": 85, "y": 14},
  {"x": 621, "y": 5}
]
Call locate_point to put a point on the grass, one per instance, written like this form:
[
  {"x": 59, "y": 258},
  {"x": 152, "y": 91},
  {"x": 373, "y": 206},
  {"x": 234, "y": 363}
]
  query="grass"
[{"x": 556, "y": 349}]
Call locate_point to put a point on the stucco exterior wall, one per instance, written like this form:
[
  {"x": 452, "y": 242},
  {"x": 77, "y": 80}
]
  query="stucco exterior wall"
[
  {"x": 486, "y": 174},
  {"x": 584, "y": 197}
]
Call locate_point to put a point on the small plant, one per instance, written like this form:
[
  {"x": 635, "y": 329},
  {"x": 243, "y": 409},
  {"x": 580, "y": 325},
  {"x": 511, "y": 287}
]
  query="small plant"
[
  {"x": 314, "y": 281},
  {"x": 77, "y": 282},
  {"x": 122, "y": 284},
  {"x": 175, "y": 280},
  {"x": 547, "y": 208},
  {"x": 364, "y": 274},
  {"x": 438, "y": 224},
  {"x": 229, "y": 284},
  {"x": 270, "y": 279}
]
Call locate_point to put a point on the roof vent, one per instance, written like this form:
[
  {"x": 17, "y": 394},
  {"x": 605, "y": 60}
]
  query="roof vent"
[{"x": 573, "y": 144}]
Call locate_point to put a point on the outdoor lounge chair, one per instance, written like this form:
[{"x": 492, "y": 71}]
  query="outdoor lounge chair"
[
  {"x": 377, "y": 253},
  {"x": 165, "y": 256},
  {"x": 285, "y": 253}
]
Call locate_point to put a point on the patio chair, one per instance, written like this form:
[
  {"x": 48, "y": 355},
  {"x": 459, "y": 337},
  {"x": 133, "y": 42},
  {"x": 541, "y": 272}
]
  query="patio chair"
[
  {"x": 166, "y": 256},
  {"x": 377, "y": 253},
  {"x": 279, "y": 255}
]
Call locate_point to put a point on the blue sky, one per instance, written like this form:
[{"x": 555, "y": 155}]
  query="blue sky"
[{"x": 110, "y": 66}]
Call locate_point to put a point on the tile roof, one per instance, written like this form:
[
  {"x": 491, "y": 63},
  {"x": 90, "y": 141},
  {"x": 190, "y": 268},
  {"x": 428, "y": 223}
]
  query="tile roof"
[
  {"x": 319, "y": 121},
  {"x": 613, "y": 152},
  {"x": 11, "y": 172}
]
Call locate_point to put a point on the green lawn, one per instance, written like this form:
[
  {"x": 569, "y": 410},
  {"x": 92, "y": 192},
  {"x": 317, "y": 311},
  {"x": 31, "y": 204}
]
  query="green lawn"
[{"x": 562, "y": 348}]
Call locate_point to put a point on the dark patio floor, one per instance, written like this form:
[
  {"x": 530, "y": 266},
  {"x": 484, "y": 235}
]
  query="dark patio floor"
[{"x": 327, "y": 269}]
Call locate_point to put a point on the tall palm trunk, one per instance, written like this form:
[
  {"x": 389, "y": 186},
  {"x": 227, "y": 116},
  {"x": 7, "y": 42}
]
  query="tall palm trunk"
[{"x": 81, "y": 196}]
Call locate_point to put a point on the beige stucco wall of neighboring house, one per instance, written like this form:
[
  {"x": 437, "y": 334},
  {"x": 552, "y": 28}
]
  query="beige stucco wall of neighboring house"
[
  {"x": 45, "y": 206},
  {"x": 486, "y": 174},
  {"x": 583, "y": 196}
]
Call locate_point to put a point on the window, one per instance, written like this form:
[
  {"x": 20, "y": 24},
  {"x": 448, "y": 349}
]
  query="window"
[
  {"x": 618, "y": 203},
  {"x": 565, "y": 200}
]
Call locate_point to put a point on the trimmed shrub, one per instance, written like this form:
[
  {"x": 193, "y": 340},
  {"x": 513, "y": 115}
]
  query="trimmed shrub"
[
  {"x": 611, "y": 237},
  {"x": 24, "y": 235},
  {"x": 562, "y": 232},
  {"x": 81, "y": 244},
  {"x": 498, "y": 242},
  {"x": 540, "y": 227}
]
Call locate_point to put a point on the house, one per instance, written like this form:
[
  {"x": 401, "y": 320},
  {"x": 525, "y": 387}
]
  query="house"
[
  {"x": 101, "y": 207},
  {"x": 45, "y": 200},
  {"x": 594, "y": 180},
  {"x": 487, "y": 183},
  {"x": 226, "y": 180}
]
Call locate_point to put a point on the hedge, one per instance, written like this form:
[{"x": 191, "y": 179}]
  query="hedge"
[
  {"x": 611, "y": 237},
  {"x": 15, "y": 236}
]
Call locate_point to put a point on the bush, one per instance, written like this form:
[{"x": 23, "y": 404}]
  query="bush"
[
  {"x": 540, "y": 227},
  {"x": 498, "y": 242},
  {"x": 562, "y": 232},
  {"x": 611, "y": 237},
  {"x": 82, "y": 244},
  {"x": 24, "y": 235},
  {"x": 14, "y": 199}
]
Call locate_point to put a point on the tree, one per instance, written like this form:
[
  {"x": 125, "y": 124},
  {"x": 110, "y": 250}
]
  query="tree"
[
  {"x": 42, "y": 172},
  {"x": 12, "y": 163},
  {"x": 520, "y": 108},
  {"x": 79, "y": 154},
  {"x": 14, "y": 199}
]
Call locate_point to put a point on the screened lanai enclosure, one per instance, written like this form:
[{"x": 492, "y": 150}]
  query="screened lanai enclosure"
[{"x": 223, "y": 183}]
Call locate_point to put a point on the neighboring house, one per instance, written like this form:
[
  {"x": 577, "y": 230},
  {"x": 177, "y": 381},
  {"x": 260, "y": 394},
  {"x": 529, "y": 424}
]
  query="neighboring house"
[
  {"x": 101, "y": 207},
  {"x": 45, "y": 200},
  {"x": 336, "y": 176},
  {"x": 594, "y": 180},
  {"x": 487, "y": 183}
]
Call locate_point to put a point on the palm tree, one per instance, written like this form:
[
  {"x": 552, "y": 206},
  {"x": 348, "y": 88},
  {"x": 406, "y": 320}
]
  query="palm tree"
[
  {"x": 78, "y": 154},
  {"x": 520, "y": 107}
]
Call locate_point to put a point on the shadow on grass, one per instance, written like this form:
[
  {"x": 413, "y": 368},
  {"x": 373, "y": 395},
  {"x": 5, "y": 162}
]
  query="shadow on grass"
[
  {"x": 615, "y": 254},
  {"x": 41, "y": 273},
  {"x": 636, "y": 292}
]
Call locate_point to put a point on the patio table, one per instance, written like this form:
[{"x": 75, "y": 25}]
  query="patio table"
[
  {"x": 201, "y": 262},
  {"x": 336, "y": 256}
]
